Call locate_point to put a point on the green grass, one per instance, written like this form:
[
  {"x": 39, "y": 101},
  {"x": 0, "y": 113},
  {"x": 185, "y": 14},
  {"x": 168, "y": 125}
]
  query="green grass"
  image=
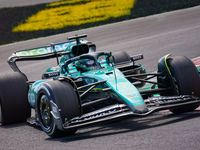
[{"x": 11, "y": 17}]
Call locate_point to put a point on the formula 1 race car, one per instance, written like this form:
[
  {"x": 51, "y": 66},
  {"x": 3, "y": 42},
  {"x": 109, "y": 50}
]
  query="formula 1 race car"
[{"x": 88, "y": 87}]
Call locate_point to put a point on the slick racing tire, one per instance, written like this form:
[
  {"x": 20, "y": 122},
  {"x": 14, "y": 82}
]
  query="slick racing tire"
[
  {"x": 121, "y": 57},
  {"x": 186, "y": 79},
  {"x": 63, "y": 95},
  {"x": 14, "y": 106}
]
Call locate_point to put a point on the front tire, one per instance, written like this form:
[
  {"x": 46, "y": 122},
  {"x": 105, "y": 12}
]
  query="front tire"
[
  {"x": 186, "y": 79},
  {"x": 63, "y": 95}
]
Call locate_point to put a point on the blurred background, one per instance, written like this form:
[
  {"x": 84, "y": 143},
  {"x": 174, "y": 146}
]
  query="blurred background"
[{"x": 27, "y": 19}]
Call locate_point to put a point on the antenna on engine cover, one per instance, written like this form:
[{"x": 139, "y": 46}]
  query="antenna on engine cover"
[{"x": 77, "y": 38}]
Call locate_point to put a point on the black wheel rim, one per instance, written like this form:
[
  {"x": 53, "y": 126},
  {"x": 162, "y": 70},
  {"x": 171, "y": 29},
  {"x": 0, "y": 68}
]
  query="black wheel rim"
[{"x": 45, "y": 111}]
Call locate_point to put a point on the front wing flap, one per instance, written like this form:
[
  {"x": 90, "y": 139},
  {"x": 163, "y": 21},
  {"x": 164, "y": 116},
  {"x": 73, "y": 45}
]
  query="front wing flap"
[{"x": 118, "y": 111}]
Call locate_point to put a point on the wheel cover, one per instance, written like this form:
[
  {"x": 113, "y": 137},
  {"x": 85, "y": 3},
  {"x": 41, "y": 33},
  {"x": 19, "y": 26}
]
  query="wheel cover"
[{"x": 45, "y": 111}]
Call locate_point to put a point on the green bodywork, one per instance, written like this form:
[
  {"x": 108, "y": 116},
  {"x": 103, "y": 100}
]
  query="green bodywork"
[
  {"x": 198, "y": 68},
  {"x": 120, "y": 86}
]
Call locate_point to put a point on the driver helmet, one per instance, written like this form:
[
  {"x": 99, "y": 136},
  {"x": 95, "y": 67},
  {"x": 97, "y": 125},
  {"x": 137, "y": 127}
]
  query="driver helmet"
[{"x": 85, "y": 65}]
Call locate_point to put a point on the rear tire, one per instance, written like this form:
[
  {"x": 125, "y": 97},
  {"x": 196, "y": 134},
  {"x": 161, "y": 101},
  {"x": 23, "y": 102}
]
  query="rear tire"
[
  {"x": 63, "y": 95},
  {"x": 14, "y": 106},
  {"x": 186, "y": 79},
  {"x": 121, "y": 57}
]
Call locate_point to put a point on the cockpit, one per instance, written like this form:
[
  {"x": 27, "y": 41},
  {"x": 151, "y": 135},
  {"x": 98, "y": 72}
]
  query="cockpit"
[{"x": 88, "y": 62}]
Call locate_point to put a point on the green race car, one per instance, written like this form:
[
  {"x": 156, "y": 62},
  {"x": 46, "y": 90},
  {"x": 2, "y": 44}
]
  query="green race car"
[{"x": 88, "y": 87}]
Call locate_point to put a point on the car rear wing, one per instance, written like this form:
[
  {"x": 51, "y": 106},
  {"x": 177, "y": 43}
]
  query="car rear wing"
[
  {"x": 41, "y": 53},
  {"x": 37, "y": 54}
]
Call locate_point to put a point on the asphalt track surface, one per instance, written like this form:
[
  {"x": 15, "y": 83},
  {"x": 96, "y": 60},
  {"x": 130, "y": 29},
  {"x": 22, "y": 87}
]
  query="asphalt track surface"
[{"x": 175, "y": 32}]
